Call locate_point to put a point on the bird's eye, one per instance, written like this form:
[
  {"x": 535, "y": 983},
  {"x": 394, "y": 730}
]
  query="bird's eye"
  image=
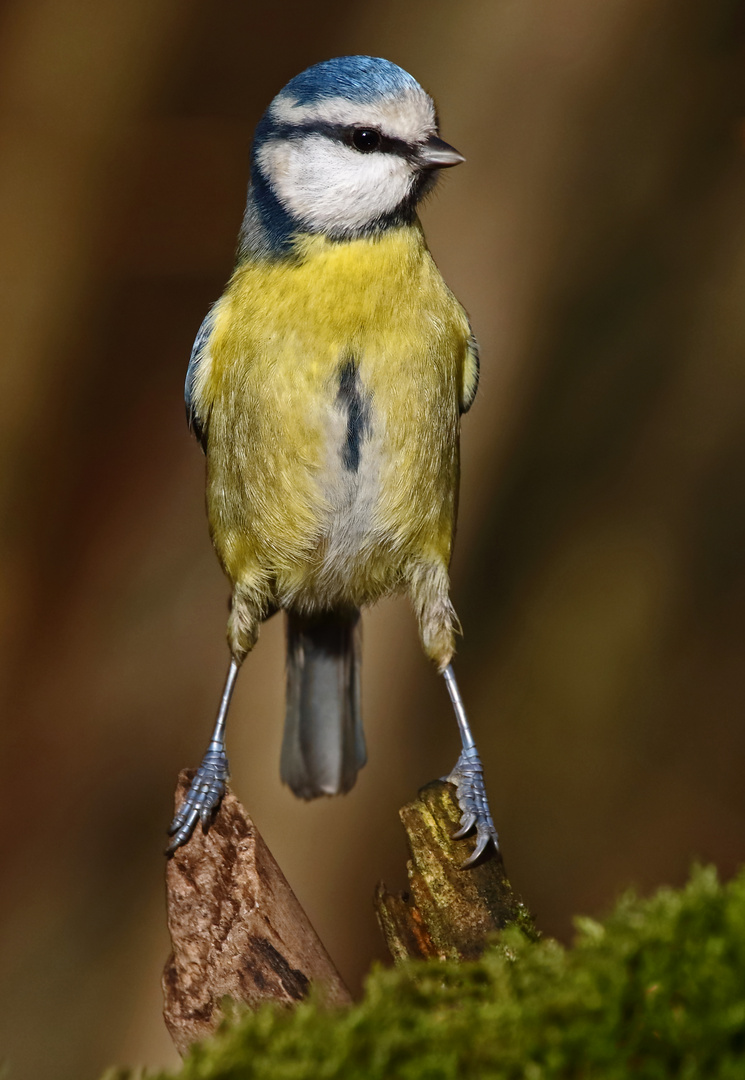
[{"x": 365, "y": 139}]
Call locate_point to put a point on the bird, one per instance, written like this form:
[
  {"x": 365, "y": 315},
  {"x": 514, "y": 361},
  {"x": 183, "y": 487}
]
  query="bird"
[{"x": 326, "y": 387}]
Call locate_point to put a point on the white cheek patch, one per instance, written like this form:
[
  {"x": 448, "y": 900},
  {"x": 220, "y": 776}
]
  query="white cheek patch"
[
  {"x": 409, "y": 115},
  {"x": 332, "y": 187}
]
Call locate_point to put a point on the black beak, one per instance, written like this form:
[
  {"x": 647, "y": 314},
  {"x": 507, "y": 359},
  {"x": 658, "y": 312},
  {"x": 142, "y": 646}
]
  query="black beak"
[{"x": 435, "y": 153}]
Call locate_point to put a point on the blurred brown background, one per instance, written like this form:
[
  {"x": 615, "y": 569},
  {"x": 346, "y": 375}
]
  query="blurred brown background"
[{"x": 597, "y": 237}]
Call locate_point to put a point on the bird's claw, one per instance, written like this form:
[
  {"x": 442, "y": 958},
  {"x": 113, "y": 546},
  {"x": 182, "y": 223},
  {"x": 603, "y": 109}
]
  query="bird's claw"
[
  {"x": 203, "y": 797},
  {"x": 468, "y": 779},
  {"x": 467, "y": 822}
]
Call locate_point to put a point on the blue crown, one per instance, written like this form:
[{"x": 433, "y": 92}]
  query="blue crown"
[{"x": 358, "y": 78}]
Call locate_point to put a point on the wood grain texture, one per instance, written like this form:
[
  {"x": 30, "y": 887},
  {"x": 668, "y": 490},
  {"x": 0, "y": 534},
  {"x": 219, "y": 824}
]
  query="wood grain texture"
[
  {"x": 447, "y": 912},
  {"x": 237, "y": 929}
]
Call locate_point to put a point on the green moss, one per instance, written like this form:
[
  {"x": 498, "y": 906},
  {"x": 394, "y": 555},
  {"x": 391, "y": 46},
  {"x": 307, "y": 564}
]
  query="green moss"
[{"x": 657, "y": 990}]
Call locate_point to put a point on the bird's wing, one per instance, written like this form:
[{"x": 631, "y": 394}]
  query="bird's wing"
[
  {"x": 199, "y": 354},
  {"x": 470, "y": 382}
]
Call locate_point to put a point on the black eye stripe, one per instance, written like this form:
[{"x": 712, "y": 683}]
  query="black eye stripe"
[
  {"x": 345, "y": 133},
  {"x": 386, "y": 144}
]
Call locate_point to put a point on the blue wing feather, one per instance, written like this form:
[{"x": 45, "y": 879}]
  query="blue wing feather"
[
  {"x": 197, "y": 423},
  {"x": 471, "y": 375}
]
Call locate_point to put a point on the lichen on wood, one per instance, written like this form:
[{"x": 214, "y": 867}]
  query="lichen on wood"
[{"x": 447, "y": 912}]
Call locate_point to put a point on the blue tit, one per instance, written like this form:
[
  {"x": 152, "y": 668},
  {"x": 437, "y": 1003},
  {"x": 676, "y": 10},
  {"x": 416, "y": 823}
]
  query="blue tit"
[{"x": 326, "y": 388}]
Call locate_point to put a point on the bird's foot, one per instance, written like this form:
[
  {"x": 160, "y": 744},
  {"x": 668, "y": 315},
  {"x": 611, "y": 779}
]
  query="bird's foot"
[
  {"x": 202, "y": 799},
  {"x": 468, "y": 779}
]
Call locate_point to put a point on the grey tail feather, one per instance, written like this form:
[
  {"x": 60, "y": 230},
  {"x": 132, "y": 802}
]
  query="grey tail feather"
[{"x": 323, "y": 747}]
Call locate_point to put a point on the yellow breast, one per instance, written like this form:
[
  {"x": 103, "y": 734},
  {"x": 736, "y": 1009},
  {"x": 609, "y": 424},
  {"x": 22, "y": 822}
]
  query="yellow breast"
[{"x": 331, "y": 390}]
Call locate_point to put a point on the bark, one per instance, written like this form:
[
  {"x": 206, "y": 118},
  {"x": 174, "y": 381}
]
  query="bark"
[{"x": 237, "y": 929}]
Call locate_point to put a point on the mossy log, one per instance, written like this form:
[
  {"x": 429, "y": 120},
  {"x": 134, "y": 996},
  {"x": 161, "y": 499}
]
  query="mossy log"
[
  {"x": 654, "y": 992},
  {"x": 237, "y": 929},
  {"x": 448, "y": 912}
]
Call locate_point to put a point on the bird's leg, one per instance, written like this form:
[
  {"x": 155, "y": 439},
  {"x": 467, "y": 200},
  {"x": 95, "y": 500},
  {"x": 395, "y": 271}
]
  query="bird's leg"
[
  {"x": 208, "y": 786},
  {"x": 429, "y": 592},
  {"x": 468, "y": 778}
]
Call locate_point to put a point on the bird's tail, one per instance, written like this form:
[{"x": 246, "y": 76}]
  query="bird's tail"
[{"x": 323, "y": 747}]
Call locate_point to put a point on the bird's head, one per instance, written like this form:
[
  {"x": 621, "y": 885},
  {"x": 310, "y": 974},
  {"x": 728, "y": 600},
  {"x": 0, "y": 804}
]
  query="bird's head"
[{"x": 347, "y": 148}]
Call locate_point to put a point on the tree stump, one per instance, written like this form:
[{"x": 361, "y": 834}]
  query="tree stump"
[
  {"x": 237, "y": 929},
  {"x": 447, "y": 912}
]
